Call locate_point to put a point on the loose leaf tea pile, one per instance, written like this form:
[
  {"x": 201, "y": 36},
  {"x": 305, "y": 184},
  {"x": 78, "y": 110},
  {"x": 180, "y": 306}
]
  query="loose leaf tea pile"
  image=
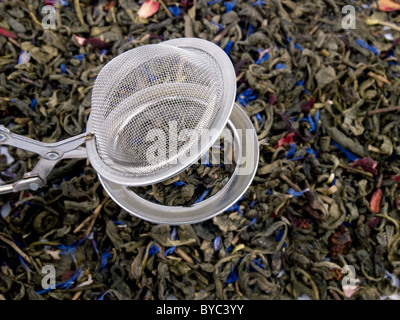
[{"x": 324, "y": 100}]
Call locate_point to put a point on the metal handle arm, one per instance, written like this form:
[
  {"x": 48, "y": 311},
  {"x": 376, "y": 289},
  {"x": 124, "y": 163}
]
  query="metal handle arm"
[{"x": 50, "y": 154}]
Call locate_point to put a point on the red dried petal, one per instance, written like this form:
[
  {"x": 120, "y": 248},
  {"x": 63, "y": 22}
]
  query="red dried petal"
[
  {"x": 372, "y": 223},
  {"x": 302, "y": 223},
  {"x": 387, "y": 5},
  {"x": 272, "y": 99},
  {"x": 7, "y": 33},
  {"x": 308, "y": 105},
  {"x": 97, "y": 43},
  {"x": 287, "y": 139},
  {"x": 376, "y": 199},
  {"x": 109, "y": 5},
  {"x": 340, "y": 240},
  {"x": 367, "y": 164},
  {"x": 148, "y": 8}
]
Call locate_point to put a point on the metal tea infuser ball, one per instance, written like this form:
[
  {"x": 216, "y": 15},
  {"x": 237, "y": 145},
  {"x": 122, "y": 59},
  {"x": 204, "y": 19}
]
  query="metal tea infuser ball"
[{"x": 188, "y": 82}]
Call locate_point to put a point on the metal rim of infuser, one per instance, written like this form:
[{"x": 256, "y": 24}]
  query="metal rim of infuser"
[
  {"x": 245, "y": 143},
  {"x": 188, "y": 82}
]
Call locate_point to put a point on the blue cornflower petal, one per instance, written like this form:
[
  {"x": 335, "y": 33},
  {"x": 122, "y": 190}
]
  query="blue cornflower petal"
[
  {"x": 296, "y": 158},
  {"x": 363, "y": 44},
  {"x": 230, "y": 5},
  {"x": 218, "y": 25},
  {"x": 175, "y": 10},
  {"x": 297, "y": 194},
  {"x": 173, "y": 234},
  {"x": 298, "y": 47},
  {"x": 301, "y": 82},
  {"x": 351, "y": 157},
  {"x": 206, "y": 161},
  {"x": 153, "y": 250},
  {"x": 103, "y": 295},
  {"x": 67, "y": 284},
  {"x": 201, "y": 198},
  {"x": 258, "y": 117},
  {"x": 295, "y": 44},
  {"x": 235, "y": 207},
  {"x": 94, "y": 245},
  {"x": 63, "y": 68},
  {"x": 291, "y": 151},
  {"x": 257, "y": 262},
  {"x": 258, "y": 3},
  {"x": 104, "y": 259},
  {"x": 120, "y": 223},
  {"x": 217, "y": 243},
  {"x": 251, "y": 28},
  {"x": 169, "y": 251},
  {"x": 279, "y": 236},
  {"x": 247, "y": 96},
  {"x": 312, "y": 151},
  {"x": 233, "y": 277},
  {"x": 65, "y": 249},
  {"x": 264, "y": 58},
  {"x": 317, "y": 117},
  {"x": 311, "y": 122},
  {"x": 79, "y": 57},
  {"x": 210, "y": 3},
  {"x": 33, "y": 104},
  {"x": 102, "y": 54},
  {"x": 179, "y": 183},
  {"x": 23, "y": 263},
  {"x": 228, "y": 47},
  {"x": 280, "y": 66}
]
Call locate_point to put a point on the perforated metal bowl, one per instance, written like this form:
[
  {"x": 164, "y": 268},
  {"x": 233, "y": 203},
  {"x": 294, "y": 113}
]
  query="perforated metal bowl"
[{"x": 187, "y": 81}]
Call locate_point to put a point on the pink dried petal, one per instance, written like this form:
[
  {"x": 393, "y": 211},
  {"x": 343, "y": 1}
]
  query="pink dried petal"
[
  {"x": 387, "y": 5},
  {"x": 148, "y": 8},
  {"x": 376, "y": 199},
  {"x": 81, "y": 41},
  {"x": 367, "y": 164},
  {"x": 349, "y": 290},
  {"x": 7, "y": 33},
  {"x": 272, "y": 99}
]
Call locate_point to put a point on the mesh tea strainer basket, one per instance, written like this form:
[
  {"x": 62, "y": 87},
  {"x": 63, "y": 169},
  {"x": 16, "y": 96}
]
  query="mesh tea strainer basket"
[{"x": 160, "y": 90}]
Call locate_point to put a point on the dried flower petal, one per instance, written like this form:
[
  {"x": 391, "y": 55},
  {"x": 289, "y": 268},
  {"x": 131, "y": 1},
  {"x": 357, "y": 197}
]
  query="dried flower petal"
[
  {"x": 349, "y": 290},
  {"x": 367, "y": 164},
  {"x": 7, "y": 33},
  {"x": 287, "y": 139},
  {"x": 81, "y": 41},
  {"x": 148, "y": 8},
  {"x": 386, "y": 5},
  {"x": 375, "y": 203}
]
